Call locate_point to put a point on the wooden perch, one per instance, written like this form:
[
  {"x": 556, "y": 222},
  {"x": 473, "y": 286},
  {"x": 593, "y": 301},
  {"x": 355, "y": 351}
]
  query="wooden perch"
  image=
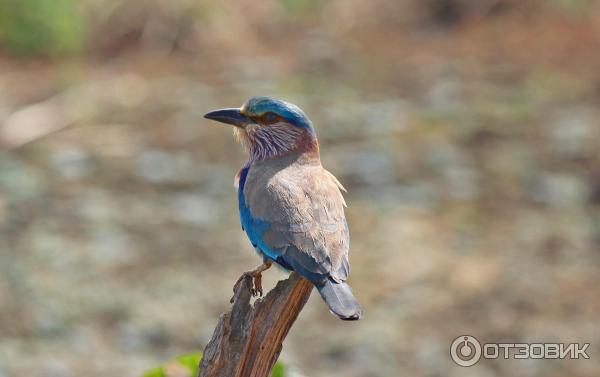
[{"x": 248, "y": 339}]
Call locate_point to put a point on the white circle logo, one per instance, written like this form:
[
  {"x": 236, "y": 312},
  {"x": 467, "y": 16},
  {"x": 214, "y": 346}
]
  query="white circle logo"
[{"x": 465, "y": 350}]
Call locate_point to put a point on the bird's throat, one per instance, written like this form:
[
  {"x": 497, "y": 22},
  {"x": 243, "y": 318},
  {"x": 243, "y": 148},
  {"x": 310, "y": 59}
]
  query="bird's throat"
[{"x": 276, "y": 140}]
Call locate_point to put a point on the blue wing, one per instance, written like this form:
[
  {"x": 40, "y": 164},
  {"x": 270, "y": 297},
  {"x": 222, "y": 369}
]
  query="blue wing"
[{"x": 254, "y": 228}]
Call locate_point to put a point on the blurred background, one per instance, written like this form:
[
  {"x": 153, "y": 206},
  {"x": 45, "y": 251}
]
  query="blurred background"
[{"x": 466, "y": 131}]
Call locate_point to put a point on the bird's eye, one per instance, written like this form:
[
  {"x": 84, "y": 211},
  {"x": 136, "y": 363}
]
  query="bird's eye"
[{"x": 269, "y": 118}]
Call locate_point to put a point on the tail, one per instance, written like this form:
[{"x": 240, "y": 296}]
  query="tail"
[{"x": 341, "y": 301}]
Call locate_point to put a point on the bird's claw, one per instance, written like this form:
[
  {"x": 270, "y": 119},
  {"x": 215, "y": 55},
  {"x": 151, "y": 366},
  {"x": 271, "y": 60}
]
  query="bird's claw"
[{"x": 255, "y": 290}]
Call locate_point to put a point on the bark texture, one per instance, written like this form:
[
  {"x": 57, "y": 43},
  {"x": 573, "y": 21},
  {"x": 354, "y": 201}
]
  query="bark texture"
[{"x": 248, "y": 339}]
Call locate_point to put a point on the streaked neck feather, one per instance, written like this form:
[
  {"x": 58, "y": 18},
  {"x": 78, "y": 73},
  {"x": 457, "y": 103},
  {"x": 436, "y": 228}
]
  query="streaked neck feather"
[{"x": 274, "y": 140}]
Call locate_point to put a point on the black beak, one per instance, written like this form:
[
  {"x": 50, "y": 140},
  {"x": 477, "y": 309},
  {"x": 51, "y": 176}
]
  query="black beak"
[{"x": 229, "y": 116}]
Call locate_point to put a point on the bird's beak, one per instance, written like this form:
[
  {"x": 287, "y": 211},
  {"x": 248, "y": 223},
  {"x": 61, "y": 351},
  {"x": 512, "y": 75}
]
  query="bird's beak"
[{"x": 229, "y": 116}]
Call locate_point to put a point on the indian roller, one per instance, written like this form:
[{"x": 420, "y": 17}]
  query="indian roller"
[{"x": 291, "y": 208}]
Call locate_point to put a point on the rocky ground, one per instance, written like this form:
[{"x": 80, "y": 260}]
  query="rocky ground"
[{"x": 470, "y": 153}]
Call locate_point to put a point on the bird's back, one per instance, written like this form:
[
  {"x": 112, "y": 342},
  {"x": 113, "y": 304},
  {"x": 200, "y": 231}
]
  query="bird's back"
[{"x": 294, "y": 214}]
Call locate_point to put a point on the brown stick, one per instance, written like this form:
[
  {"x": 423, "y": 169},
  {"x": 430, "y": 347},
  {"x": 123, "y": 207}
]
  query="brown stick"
[{"x": 247, "y": 340}]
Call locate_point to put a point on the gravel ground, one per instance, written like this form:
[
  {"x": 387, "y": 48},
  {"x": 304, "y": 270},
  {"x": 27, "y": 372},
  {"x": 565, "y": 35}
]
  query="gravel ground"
[{"x": 470, "y": 156}]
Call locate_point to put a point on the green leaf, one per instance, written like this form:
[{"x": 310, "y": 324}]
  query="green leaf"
[
  {"x": 278, "y": 370},
  {"x": 155, "y": 372},
  {"x": 192, "y": 361}
]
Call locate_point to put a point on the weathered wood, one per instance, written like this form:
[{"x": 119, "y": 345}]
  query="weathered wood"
[{"x": 248, "y": 339}]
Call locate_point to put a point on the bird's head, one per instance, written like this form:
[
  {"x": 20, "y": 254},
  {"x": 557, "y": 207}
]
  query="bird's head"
[{"x": 269, "y": 127}]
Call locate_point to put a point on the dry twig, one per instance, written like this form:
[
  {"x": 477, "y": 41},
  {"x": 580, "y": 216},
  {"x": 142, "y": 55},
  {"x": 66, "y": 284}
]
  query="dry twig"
[{"x": 248, "y": 339}]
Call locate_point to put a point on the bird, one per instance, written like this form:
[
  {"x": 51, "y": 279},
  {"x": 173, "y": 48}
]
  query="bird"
[{"x": 291, "y": 208}]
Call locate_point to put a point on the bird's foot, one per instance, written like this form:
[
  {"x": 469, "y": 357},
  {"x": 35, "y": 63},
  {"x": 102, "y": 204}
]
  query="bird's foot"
[
  {"x": 256, "y": 276},
  {"x": 256, "y": 282}
]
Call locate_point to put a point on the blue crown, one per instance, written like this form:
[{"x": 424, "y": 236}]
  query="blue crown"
[{"x": 257, "y": 106}]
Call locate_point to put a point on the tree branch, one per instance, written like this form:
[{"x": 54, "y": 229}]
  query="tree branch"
[{"x": 248, "y": 339}]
